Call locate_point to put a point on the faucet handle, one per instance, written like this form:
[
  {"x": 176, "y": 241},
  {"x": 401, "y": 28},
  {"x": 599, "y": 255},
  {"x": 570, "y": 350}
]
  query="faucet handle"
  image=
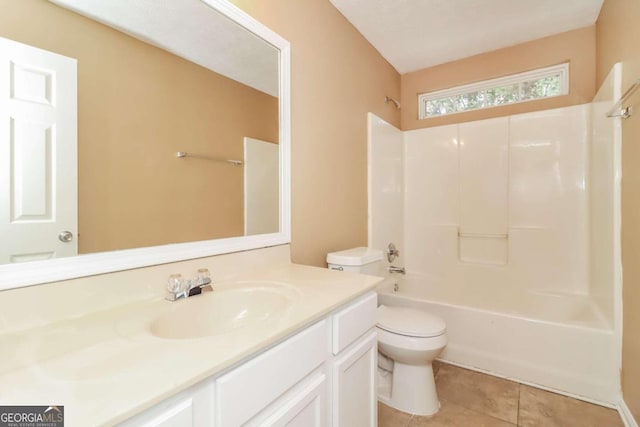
[
  {"x": 174, "y": 283},
  {"x": 202, "y": 283},
  {"x": 392, "y": 252},
  {"x": 204, "y": 276}
]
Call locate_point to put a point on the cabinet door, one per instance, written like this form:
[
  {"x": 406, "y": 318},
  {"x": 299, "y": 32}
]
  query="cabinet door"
[
  {"x": 354, "y": 384},
  {"x": 306, "y": 406}
]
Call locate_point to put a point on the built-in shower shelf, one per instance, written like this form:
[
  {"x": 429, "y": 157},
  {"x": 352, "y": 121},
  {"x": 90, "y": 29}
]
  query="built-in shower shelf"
[
  {"x": 483, "y": 236},
  {"x": 483, "y": 248}
]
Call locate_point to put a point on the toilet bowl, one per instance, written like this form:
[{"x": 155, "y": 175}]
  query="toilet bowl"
[{"x": 412, "y": 339}]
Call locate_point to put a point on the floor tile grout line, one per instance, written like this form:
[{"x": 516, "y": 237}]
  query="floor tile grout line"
[
  {"x": 482, "y": 376},
  {"x": 522, "y": 390},
  {"x": 484, "y": 414}
]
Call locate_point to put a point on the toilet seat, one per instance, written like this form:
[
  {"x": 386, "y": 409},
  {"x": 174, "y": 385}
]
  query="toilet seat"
[
  {"x": 406, "y": 343},
  {"x": 409, "y": 322}
]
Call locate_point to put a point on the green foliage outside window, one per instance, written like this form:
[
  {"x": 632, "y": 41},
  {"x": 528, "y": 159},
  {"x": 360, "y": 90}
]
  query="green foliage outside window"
[{"x": 494, "y": 97}]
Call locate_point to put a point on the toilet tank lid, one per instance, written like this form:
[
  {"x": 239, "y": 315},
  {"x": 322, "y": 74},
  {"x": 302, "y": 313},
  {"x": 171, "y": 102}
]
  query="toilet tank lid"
[
  {"x": 355, "y": 256},
  {"x": 409, "y": 322}
]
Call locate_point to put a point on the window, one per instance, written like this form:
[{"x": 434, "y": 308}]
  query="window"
[{"x": 531, "y": 85}]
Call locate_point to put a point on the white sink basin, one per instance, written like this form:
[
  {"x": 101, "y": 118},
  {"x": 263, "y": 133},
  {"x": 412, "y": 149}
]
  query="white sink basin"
[{"x": 228, "y": 308}]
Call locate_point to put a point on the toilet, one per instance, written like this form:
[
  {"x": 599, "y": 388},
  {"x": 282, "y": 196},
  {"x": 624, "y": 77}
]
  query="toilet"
[
  {"x": 409, "y": 340},
  {"x": 357, "y": 260}
]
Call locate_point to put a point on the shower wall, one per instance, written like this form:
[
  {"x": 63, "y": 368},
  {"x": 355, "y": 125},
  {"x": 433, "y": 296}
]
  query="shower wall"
[
  {"x": 510, "y": 233},
  {"x": 501, "y": 201},
  {"x": 386, "y": 186},
  {"x": 523, "y": 203},
  {"x": 605, "y": 267}
]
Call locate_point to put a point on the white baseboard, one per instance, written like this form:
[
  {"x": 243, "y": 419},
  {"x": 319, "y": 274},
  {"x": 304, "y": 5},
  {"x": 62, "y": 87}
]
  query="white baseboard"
[{"x": 625, "y": 413}]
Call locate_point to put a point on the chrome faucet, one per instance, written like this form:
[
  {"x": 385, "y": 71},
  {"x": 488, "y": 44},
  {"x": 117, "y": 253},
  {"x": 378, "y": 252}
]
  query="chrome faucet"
[
  {"x": 178, "y": 288},
  {"x": 394, "y": 269}
]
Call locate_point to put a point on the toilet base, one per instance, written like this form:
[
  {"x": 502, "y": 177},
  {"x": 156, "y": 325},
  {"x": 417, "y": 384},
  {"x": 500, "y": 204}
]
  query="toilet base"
[
  {"x": 413, "y": 390},
  {"x": 384, "y": 385}
]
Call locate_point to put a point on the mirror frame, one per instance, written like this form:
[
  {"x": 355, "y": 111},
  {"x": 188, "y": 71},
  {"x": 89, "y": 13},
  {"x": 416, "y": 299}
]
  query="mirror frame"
[{"x": 39, "y": 272}]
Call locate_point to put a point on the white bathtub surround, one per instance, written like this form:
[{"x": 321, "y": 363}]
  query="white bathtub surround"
[
  {"x": 483, "y": 166},
  {"x": 515, "y": 201},
  {"x": 511, "y": 235},
  {"x": 604, "y": 231},
  {"x": 385, "y": 186},
  {"x": 91, "y": 348}
]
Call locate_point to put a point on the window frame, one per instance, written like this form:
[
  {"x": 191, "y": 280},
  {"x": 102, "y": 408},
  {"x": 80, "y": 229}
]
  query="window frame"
[{"x": 512, "y": 79}]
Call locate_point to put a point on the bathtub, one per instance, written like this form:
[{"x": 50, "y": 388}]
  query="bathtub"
[{"x": 559, "y": 342}]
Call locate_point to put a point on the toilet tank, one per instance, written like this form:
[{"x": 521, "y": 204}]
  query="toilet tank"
[{"x": 357, "y": 260}]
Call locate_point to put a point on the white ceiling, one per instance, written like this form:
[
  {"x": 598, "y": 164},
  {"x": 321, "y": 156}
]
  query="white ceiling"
[
  {"x": 194, "y": 31},
  {"x": 416, "y": 34}
]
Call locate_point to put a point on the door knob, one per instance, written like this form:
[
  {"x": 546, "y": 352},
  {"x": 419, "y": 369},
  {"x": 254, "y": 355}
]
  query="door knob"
[{"x": 65, "y": 236}]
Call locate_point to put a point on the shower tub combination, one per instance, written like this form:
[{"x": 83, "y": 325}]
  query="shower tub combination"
[
  {"x": 509, "y": 229},
  {"x": 554, "y": 341}
]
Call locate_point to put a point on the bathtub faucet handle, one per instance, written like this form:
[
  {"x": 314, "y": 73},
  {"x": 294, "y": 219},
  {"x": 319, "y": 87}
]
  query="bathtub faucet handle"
[
  {"x": 392, "y": 252},
  {"x": 394, "y": 269}
]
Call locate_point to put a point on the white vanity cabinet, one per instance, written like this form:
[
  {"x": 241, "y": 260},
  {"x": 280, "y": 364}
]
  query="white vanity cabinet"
[
  {"x": 321, "y": 376},
  {"x": 354, "y": 366}
]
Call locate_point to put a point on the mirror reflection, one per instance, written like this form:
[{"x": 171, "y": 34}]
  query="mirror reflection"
[{"x": 167, "y": 149}]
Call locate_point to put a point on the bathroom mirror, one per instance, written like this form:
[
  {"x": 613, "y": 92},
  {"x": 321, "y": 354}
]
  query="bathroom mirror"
[{"x": 183, "y": 136}]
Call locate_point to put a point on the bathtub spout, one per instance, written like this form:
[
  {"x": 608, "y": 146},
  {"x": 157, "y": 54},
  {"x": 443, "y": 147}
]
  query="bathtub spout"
[{"x": 394, "y": 269}]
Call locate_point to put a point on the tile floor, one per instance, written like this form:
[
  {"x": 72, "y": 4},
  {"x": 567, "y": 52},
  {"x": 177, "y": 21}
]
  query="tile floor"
[{"x": 472, "y": 399}]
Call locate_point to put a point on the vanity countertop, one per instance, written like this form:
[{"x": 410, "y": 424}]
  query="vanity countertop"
[{"x": 106, "y": 366}]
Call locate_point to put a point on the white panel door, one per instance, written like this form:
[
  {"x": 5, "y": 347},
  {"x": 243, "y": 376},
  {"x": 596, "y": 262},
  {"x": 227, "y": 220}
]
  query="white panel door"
[
  {"x": 354, "y": 384},
  {"x": 38, "y": 153},
  {"x": 261, "y": 187}
]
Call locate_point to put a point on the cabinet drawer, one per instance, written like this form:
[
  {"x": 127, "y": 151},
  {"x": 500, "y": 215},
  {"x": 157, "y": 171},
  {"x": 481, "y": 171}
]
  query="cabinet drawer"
[
  {"x": 248, "y": 389},
  {"x": 353, "y": 321}
]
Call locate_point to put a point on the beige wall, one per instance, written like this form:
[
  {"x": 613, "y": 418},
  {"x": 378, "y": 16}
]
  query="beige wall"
[
  {"x": 337, "y": 77},
  {"x": 138, "y": 105},
  {"x": 576, "y": 47},
  {"x": 618, "y": 40}
]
